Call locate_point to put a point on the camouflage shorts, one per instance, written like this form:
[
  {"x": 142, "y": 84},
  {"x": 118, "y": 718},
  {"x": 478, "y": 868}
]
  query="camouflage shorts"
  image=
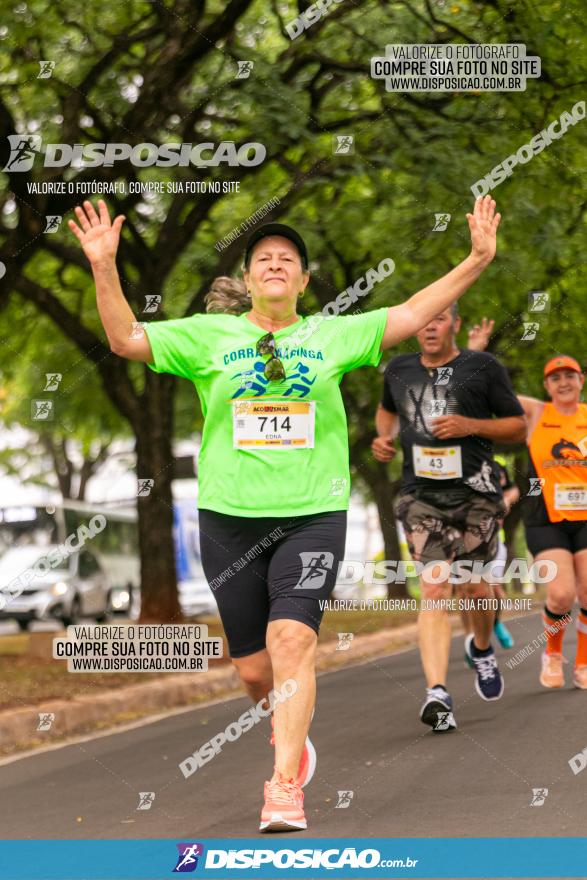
[{"x": 466, "y": 531}]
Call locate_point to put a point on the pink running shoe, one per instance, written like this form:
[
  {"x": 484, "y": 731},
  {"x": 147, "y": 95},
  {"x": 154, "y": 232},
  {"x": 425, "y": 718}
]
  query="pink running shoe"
[
  {"x": 580, "y": 677},
  {"x": 283, "y": 809},
  {"x": 552, "y": 675},
  {"x": 307, "y": 761}
]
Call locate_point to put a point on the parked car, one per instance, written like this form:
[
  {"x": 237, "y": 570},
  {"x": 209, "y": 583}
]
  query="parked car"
[
  {"x": 196, "y": 598},
  {"x": 76, "y": 587}
]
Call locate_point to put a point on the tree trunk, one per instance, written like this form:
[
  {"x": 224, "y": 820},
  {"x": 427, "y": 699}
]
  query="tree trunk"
[
  {"x": 384, "y": 492},
  {"x": 159, "y": 600}
]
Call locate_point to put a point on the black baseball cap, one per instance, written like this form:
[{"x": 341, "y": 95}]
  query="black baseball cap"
[{"x": 277, "y": 229}]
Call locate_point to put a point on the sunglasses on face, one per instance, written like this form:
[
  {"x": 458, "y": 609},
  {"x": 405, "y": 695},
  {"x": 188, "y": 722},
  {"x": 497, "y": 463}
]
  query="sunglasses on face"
[{"x": 274, "y": 370}]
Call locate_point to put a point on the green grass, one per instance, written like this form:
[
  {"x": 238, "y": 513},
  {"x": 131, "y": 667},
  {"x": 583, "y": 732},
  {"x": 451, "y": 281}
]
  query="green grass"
[{"x": 26, "y": 681}]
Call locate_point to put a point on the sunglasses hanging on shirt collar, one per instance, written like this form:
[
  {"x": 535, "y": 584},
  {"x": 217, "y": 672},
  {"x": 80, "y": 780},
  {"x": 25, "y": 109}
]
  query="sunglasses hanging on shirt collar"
[{"x": 274, "y": 370}]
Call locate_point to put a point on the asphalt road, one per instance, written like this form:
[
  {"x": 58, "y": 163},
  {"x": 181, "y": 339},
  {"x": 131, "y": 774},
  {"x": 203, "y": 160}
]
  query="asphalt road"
[{"x": 406, "y": 780}]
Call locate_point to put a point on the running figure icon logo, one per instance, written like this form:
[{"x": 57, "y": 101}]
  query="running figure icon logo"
[
  {"x": 444, "y": 720},
  {"x": 41, "y": 410},
  {"x": 23, "y": 149},
  {"x": 539, "y": 795},
  {"x": 344, "y": 800},
  {"x": 441, "y": 222},
  {"x": 315, "y": 567},
  {"x": 52, "y": 381},
  {"x": 46, "y": 719},
  {"x": 46, "y": 68},
  {"x": 536, "y": 484},
  {"x": 530, "y": 331},
  {"x": 443, "y": 375},
  {"x": 244, "y": 69},
  {"x": 343, "y": 143},
  {"x": 187, "y": 860},
  {"x": 52, "y": 222},
  {"x": 539, "y": 301},
  {"x": 146, "y": 799},
  {"x": 152, "y": 302}
]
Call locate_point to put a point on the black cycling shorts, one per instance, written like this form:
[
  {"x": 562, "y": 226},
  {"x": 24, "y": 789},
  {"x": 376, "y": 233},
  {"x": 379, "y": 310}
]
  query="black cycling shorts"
[
  {"x": 269, "y": 568},
  {"x": 564, "y": 535}
]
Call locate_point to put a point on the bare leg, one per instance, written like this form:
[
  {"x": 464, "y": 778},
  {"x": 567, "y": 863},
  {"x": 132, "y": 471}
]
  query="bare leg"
[
  {"x": 435, "y": 633},
  {"x": 292, "y": 648}
]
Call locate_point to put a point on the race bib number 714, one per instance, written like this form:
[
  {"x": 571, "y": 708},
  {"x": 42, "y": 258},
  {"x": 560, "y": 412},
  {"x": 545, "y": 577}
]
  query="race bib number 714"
[{"x": 273, "y": 424}]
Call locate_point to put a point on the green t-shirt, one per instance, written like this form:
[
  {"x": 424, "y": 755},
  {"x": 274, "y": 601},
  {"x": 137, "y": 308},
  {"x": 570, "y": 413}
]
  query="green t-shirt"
[{"x": 217, "y": 353}]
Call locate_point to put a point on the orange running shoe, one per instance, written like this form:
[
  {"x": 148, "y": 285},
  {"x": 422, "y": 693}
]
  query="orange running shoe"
[
  {"x": 580, "y": 677},
  {"x": 307, "y": 761},
  {"x": 552, "y": 675},
  {"x": 284, "y": 806}
]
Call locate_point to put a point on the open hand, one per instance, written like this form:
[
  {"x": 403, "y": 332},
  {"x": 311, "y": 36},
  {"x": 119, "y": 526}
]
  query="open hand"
[
  {"x": 479, "y": 335},
  {"x": 98, "y": 236},
  {"x": 483, "y": 223}
]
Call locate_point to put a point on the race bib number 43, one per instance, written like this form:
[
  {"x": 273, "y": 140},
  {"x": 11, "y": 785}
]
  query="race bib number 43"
[
  {"x": 273, "y": 424},
  {"x": 570, "y": 496},
  {"x": 437, "y": 464}
]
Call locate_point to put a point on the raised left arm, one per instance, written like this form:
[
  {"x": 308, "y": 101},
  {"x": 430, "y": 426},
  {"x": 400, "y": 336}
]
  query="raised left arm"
[{"x": 408, "y": 318}]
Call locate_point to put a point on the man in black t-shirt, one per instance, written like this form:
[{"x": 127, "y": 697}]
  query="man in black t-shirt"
[{"x": 448, "y": 406}]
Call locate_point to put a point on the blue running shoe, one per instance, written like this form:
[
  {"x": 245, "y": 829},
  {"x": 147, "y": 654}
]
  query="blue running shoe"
[
  {"x": 503, "y": 635},
  {"x": 437, "y": 710},
  {"x": 468, "y": 659},
  {"x": 489, "y": 683}
]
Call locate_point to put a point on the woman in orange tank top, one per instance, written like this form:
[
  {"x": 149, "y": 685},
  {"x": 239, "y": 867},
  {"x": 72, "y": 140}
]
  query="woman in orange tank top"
[{"x": 555, "y": 515}]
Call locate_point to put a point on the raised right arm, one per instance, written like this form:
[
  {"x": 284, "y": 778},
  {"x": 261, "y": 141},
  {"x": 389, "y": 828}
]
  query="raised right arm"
[{"x": 99, "y": 239}]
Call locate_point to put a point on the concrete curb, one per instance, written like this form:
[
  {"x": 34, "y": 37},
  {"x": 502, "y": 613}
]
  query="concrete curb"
[{"x": 19, "y": 727}]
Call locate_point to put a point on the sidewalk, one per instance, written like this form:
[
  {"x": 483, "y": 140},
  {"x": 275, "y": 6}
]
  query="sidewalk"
[{"x": 19, "y": 727}]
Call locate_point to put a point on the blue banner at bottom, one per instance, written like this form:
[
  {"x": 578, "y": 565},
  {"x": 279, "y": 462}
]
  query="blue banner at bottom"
[{"x": 285, "y": 857}]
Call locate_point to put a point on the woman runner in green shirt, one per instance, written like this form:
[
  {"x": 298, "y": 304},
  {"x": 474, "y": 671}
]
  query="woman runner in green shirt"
[{"x": 273, "y": 468}]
